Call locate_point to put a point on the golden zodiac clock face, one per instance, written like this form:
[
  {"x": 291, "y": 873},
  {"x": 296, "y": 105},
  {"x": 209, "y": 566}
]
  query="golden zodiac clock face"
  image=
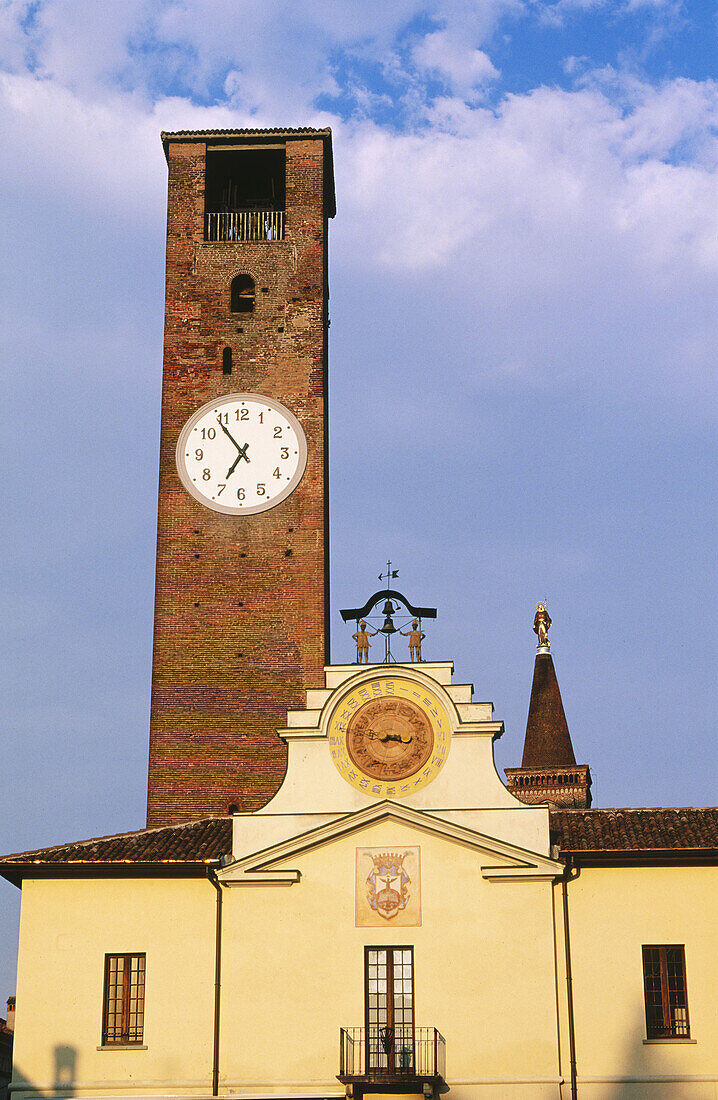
[{"x": 389, "y": 736}]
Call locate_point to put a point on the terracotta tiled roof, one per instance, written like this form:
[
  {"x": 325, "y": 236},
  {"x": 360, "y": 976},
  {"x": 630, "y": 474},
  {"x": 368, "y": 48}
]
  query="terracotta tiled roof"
[
  {"x": 251, "y": 132},
  {"x": 676, "y": 830},
  {"x": 197, "y": 842},
  {"x": 202, "y": 843}
]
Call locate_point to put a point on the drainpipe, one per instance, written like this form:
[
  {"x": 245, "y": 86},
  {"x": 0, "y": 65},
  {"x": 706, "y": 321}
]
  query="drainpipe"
[
  {"x": 212, "y": 876},
  {"x": 569, "y": 982}
]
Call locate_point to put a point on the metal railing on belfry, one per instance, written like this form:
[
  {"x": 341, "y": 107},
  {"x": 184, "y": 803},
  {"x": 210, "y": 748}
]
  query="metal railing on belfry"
[{"x": 244, "y": 225}]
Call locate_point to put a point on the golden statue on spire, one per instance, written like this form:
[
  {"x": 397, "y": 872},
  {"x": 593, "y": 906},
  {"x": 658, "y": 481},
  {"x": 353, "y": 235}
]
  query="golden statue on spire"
[{"x": 542, "y": 623}]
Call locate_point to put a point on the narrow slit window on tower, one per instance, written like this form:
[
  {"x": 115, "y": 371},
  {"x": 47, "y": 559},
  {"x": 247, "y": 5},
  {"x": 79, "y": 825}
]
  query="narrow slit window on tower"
[
  {"x": 242, "y": 294},
  {"x": 227, "y": 361}
]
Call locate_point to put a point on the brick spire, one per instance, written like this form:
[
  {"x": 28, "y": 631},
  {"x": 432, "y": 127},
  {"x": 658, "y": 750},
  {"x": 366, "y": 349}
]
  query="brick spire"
[
  {"x": 547, "y": 741},
  {"x": 549, "y": 772}
]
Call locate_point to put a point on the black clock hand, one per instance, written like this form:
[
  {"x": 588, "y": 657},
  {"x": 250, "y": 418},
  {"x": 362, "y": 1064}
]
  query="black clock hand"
[
  {"x": 230, "y": 436},
  {"x": 242, "y": 454},
  {"x": 232, "y": 467},
  {"x": 242, "y": 451}
]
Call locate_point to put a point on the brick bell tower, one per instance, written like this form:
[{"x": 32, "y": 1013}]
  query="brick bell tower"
[{"x": 241, "y": 602}]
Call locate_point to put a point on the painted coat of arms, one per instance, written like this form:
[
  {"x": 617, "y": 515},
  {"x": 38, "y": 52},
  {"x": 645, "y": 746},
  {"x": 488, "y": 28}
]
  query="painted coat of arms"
[{"x": 388, "y": 889}]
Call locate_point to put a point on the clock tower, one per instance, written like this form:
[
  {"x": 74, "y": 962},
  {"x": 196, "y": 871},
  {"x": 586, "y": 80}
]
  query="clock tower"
[{"x": 241, "y": 601}]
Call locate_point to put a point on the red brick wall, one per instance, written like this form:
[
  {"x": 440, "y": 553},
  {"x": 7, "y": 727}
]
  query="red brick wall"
[{"x": 241, "y": 602}]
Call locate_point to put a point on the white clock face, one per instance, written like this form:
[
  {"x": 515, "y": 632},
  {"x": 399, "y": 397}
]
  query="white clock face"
[{"x": 242, "y": 453}]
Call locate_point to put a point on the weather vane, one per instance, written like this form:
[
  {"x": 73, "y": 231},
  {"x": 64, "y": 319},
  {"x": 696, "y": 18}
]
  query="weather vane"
[
  {"x": 392, "y": 600},
  {"x": 390, "y": 575}
]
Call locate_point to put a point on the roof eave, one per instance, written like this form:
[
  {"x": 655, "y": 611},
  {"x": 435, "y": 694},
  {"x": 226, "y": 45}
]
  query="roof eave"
[
  {"x": 639, "y": 856},
  {"x": 15, "y": 873}
]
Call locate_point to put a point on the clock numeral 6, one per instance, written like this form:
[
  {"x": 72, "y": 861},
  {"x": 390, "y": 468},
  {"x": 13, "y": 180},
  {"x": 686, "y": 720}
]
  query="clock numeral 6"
[
  {"x": 261, "y": 489},
  {"x": 240, "y": 494}
]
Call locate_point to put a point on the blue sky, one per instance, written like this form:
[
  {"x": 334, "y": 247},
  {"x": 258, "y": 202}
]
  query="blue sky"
[{"x": 523, "y": 388}]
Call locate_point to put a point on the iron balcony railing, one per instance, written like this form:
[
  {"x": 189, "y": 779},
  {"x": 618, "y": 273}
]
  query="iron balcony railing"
[
  {"x": 391, "y": 1052},
  {"x": 244, "y": 225}
]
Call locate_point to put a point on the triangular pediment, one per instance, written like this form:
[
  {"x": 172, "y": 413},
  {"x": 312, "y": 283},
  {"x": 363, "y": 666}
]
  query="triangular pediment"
[{"x": 499, "y": 860}]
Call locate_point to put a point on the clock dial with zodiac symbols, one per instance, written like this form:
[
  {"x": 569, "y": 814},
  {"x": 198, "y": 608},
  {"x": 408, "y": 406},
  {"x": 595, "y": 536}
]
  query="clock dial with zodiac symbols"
[{"x": 389, "y": 736}]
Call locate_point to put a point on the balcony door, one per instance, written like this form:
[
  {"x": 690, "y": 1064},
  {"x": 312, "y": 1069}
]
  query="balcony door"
[{"x": 389, "y": 1009}]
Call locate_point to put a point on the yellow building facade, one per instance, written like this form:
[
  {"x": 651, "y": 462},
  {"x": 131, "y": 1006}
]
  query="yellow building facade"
[{"x": 339, "y": 942}]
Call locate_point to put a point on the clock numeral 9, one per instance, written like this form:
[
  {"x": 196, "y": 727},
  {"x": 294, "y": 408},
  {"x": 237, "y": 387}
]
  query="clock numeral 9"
[
  {"x": 240, "y": 494},
  {"x": 206, "y": 475},
  {"x": 284, "y": 452},
  {"x": 199, "y": 454},
  {"x": 261, "y": 489}
]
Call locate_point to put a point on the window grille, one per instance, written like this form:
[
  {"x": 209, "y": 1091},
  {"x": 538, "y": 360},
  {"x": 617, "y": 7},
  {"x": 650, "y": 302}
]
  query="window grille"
[
  {"x": 389, "y": 1009},
  {"x": 664, "y": 983},
  {"x": 124, "y": 1002}
]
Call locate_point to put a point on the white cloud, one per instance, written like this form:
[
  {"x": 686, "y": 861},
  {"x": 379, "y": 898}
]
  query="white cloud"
[
  {"x": 545, "y": 167},
  {"x": 462, "y": 67},
  {"x": 564, "y": 198}
]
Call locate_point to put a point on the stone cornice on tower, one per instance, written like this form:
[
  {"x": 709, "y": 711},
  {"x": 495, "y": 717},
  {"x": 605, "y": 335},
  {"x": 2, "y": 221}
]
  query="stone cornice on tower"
[{"x": 549, "y": 772}]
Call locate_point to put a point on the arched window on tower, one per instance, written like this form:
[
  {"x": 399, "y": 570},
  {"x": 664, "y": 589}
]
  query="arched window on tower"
[{"x": 242, "y": 291}]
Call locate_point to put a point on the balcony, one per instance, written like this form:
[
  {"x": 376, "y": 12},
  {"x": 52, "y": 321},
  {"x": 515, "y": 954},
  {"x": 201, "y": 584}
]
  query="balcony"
[
  {"x": 244, "y": 225},
  {"x": 401, "y": 1060}
]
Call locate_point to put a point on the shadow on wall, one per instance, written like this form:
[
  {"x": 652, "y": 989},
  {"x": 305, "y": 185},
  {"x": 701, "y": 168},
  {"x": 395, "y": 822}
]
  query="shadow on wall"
[
  {"x": 638, "y": 1060},
  {"x": 65, "y": 1076},
  {"x": 65, "y": 1069}
]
